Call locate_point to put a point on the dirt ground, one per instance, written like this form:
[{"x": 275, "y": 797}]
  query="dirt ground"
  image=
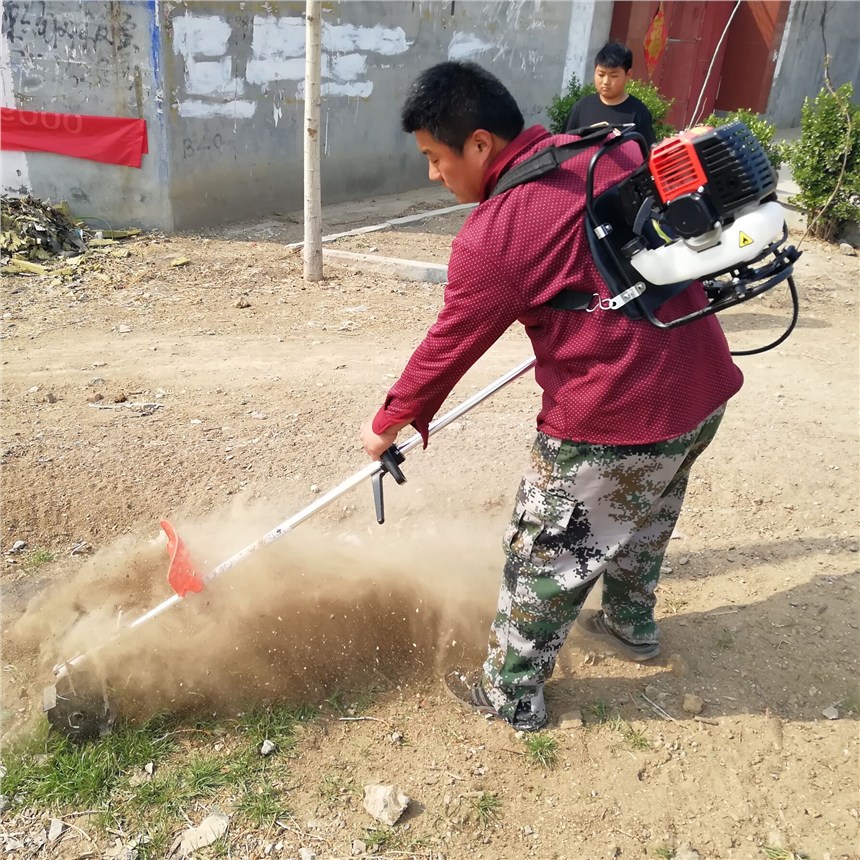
[{"x": 225, "y": 395}]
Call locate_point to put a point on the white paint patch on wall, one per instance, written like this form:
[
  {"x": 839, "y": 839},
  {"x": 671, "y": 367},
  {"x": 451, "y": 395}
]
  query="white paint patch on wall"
[
  {"x": 235, "y": 109},
  {"x": 212, "y": 78},
  {"x": 195, "y": 35},
  {"x": 348, "y": 67},
  {"x": 576, "y": 61},
  {"x": 277, "y": 50},
  {"x": 277, "y": 54},
  {"x": 202, "y": 42},
  {"x": 467, "y": 46},
  {"x": 14, "y": 170},
  {"x": 343, "y": 38},
  {"x": 355, "y": 89}
]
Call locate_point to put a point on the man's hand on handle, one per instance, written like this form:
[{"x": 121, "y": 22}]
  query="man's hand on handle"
[{"x": 376, "y": 444}]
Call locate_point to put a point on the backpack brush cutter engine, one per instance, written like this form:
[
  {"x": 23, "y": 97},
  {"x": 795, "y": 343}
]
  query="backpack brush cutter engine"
[{"x": 701, "y": 207}]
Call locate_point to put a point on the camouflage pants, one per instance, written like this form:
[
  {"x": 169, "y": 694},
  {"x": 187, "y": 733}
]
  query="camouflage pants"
[{"x": 582, "y": 511}]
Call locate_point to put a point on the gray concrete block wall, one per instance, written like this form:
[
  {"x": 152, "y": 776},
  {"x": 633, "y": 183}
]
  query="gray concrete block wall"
[
  {"x": 813, "y": 30},
  {"x": 221, "y": 87}
]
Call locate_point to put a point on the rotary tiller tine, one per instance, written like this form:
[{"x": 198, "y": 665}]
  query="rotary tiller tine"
[{"x": 78, "y": 707}]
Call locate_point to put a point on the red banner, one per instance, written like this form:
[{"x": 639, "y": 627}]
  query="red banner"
[{"x": 111, "y": 139}]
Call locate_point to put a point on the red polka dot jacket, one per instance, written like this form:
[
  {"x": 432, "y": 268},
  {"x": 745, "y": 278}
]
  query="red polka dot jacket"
[{"x": 606, "y": 379}]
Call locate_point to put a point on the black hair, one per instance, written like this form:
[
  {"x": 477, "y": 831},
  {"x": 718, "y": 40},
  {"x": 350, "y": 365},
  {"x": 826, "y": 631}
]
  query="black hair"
[
  {"x": 451, "y": 100},
  {"x": 614, "y": 55}
]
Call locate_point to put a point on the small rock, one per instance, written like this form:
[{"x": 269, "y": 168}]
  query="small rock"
[
  {"x": 124, "y": 329},
  {"x": 665, "y": 569},
  {"x": 396, "y": 738},
  {"x": 95, "y": 398},
  {"x": 259, "y": 416},
  {"x": 685, "y": 852},
  {"x": 315, "y": 488},
  {"x": 358, "y": 847},
  {"x": 570, "y": 720},
  {"x": 831, "y": 713},
  {"x": 847, "y": 249},
  {"x": 684, "y": 559},
  {"x": 97, "y": 380},
  {"x": 386, "y": 803},
  {"x": 306, "y": 854},
  {"x": 267, "y": 747},
  {"x": 55, "y": 831},
  {"x": 33, "y": 390},
  {"x": 693, "y": 704},
  {"x": 19, "y": 546},
  {"x": 677, "y": 666},
  {"x": 243, "y": 303},
  {"x": 50, "y": 397}
]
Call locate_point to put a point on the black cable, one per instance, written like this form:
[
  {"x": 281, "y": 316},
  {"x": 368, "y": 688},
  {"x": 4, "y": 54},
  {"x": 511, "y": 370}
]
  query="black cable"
[{"x": 795, "y": 312}]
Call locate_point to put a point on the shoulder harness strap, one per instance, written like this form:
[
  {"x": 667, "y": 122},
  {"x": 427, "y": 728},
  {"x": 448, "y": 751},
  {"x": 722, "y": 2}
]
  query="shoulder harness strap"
[{"x": 548, "y": 159}]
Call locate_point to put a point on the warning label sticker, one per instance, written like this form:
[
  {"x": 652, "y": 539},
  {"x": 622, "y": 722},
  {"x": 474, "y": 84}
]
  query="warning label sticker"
[{"x": 744, "y": 240}]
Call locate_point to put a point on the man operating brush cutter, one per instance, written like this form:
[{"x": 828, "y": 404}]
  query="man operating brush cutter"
[{"x": 627, "y": 406}]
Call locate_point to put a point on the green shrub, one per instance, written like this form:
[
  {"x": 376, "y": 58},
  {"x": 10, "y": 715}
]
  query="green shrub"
[
  {"x": 650, "y": 96},
  {"x": 559, "y": 110},
  {"x": 761, "y": 129},
  {"x": 829, "y": 138}
]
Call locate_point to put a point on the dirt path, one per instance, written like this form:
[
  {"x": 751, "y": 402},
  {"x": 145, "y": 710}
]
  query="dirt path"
[{"x": 225, "y": 395}]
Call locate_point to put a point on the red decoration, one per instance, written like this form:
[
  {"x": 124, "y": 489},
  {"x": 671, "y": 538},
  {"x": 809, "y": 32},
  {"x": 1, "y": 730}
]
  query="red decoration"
[
  {"x": 111, "y": 139},
  {"x": 655, "y": 41}
]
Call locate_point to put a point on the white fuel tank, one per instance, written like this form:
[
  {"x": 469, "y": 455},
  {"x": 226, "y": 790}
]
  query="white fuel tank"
[{"x": 742, "y": 241}]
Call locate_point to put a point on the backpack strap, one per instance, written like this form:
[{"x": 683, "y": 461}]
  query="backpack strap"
[{"x": 549, "y": 158}]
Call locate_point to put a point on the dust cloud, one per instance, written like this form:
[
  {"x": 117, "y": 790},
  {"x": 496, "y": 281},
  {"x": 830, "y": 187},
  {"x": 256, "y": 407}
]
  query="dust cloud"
[{"x": 312, "y": 613}]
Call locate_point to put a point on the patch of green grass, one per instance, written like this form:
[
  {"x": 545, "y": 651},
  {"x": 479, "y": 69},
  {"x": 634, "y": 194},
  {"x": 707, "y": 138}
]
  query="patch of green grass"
[
  {"x": 204, "y": 775},
  {"x": 665, "y": 852},
  {"x": 541, "y": 750},
  {"x": 161, "y": 792},
  {"x": 486, "y": 807},
  {"x": 38, "y": 557},
  {"x": 276, "y": 724},
  {"x": 333, "y": 788},
  {"x": 783, "y": 854},
  {"x": 260, "y": 805},
  {"x": 347, "y": 704},
  {"x": 600, "y": 711},
  {"x": 636, "y": 738},
  {"x": 49, "y": 771},
  {"x": 850, "y": 702},
  {"x": 381, "y": 839}
]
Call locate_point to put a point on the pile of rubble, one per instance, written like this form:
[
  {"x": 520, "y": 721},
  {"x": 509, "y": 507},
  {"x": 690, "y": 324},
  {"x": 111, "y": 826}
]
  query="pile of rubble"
[{"x": 39, "y": 239}]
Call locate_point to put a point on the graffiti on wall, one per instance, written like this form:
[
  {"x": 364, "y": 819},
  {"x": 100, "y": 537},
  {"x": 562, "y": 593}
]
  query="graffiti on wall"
[{"x": 62, "y": 54}]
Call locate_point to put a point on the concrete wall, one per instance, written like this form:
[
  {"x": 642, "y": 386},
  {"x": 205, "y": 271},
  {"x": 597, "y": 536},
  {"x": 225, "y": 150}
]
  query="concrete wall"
[
  {"x": 221, "y": 87},
  {"x": 813, "y": 30},
  {"x": 87, "y": 58}
]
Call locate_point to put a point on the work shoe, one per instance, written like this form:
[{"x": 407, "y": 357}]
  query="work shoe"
[
  {"x": 467, "y": 688},
  {"x": 592, "y": 623}
]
